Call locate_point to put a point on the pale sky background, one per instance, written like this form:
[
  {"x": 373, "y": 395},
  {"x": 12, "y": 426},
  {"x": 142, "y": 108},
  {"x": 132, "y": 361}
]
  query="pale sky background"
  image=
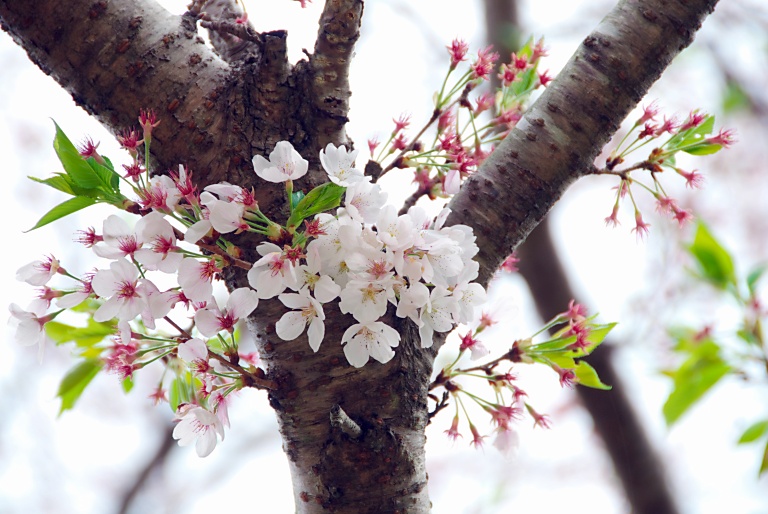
[{"x": 83, "y": 460}]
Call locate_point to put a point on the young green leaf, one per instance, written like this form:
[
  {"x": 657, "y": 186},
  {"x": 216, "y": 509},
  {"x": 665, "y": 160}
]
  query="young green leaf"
[
  {"x": 74, "y": 164},
  {"x": 63, "y": 209},
  {"x": 696, "y": 376},
  {"x": 75, "y": 381},
  {"x": 320, "y": 199},
  {"x": 296, "y": 198},
  {"x": 587, "y": 376},
  {"x": 87, "y": 336},
  {"x": 754, "y": 277},
  {"x": 703, "y": 149},
  {"x": 715, "y": 263},
  {"x": 110, "y": 181},
  {"x": 754, "y": 432},
  {"x": 127, "y": 384}
]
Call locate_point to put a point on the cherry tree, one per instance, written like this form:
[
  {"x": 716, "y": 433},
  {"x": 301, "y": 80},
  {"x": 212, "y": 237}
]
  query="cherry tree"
[{"x": 238, "y": 112}]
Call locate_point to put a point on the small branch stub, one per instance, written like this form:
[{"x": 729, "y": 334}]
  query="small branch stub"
[{"x": 342, "y": 421}]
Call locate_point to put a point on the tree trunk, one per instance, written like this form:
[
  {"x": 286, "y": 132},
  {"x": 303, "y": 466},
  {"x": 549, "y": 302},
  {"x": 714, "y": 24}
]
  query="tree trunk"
[{"x": 354, "y": 437}]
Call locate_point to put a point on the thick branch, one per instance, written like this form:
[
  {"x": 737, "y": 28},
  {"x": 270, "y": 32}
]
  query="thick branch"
[
  {"x": 338, "y": 32},
  {"x": 118, "y": 57},
  {"x": 574, "y": 118}
]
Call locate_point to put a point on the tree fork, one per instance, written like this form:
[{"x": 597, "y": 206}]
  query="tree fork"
[{"x": 210, "y": 122}]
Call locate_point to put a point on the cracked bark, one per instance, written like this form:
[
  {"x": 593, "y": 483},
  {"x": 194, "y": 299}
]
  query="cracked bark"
[{"x": 217, "y": 115}]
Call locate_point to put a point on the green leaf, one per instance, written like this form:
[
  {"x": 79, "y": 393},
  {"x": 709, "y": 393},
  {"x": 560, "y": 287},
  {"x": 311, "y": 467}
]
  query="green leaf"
[
  {"x": 110, "y": 181},
  {"x": 87, "y": 336},
  {"x": 704, "y": 149},
  {"x": 75, "y": 381},
  {"x": 587, "y": 376},
  {"x": 734, "y": 98},
  {"x": 127, "y": 384},
  {"x": 754, "y": 432},
  {"x": 320, "y": 199},
  {"x": 764, "y": 463},
  {"x": 595, "y": 337},
  {"x": 64, "y": 209},
  {"x": 692, "y": 135},
  {"x": 59, "y": 181},
  {"x": 296, "y": 198},
  {"x": 215, "y": 345},
  {"x": 748, "y": 336},
  {"x": 74, "y": 164},
  {"x": 62, "y": 182},
  {"x": 695, "y": 377},
  {"x": 715, "y": 263},
  {"x": 182, "y": 390},
  {"x": 754, "y": 277}
]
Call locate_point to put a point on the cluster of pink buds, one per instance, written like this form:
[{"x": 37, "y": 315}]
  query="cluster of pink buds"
[
  {"x": 695, "y": 136},
  {"x": 466, "y": 125},
  {"x": 574, "y": 336}
]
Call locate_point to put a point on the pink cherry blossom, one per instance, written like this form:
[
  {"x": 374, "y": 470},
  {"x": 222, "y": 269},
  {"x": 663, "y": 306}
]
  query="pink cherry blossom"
[
  {"x": 241, "y": 302},
  {"x": 200, "y": 426},
  {"x": 38, "y": 273},
  {"x": 120, "y": 285},
  {"x": 195, "y": 278}
]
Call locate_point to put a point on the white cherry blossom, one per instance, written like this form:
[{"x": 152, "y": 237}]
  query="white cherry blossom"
[
  {"x": 30, "y": 327},
  {"x": 397, "y": 232},
  {"x": 322, "y": 286},
  {"x": 438, "y": 315},
  {"x": 119, "y": 239},
  {"x": 158, "y": 244},
  {"x": 271, "y": 274},
  {"x": 365, "y": 300},
  {"x": 468, "y": 295},
  {"x": 338, "y": 163},
  {"x": 310, "y": 316},
  {"x": 364, "y": 200},
  {"x": 193, "y": 350},
  {"x": 365, "y": 340},
  {"x": 284, "y": 164},
  {"x": 120, "y": 285},
  {"x": 225, "y": 217}
]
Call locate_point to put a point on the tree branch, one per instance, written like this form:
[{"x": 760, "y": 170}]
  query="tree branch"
[
  {"x": 232, "y": 41},
  {"x": 565, "y": 129},
  {"x": 118, "y": 57},
  {"x": 156, "y": 462},
  {"x": 339, "y": 30}
]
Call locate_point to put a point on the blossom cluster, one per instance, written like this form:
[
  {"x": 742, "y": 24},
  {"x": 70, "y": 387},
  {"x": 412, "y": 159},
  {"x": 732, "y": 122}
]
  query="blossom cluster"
[
  {"x": 369, "y": 257},
  {"x": 364, "y": 256}
]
